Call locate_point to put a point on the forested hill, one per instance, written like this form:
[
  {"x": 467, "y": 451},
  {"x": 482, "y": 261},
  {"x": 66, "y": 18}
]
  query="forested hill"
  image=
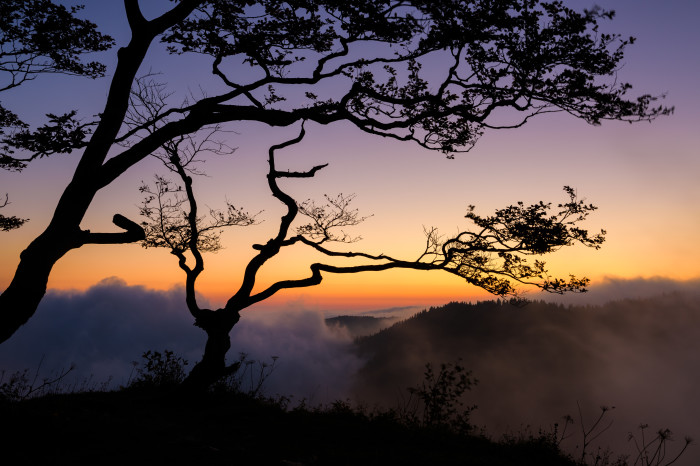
[
  {"x": 535, "y": 362},
  {"x": 468, "y": 330}
]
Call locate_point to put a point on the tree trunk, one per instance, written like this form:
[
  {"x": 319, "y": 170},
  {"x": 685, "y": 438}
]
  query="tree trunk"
[
  {"x": 212, "y": 367},
  {"x": 19, "y": 301}
]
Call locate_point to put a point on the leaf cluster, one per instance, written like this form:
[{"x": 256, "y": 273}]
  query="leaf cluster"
[
  {"x": 39, "y": 36},
  {"x": 11, "y": 222},
  {"x": 335, "y": 213},
  {"x": 61, "y": 135},
  {"x": 525, "y": 56},
  {"x": 495, "y": 255},
  {"x": 167, "y": 222}
]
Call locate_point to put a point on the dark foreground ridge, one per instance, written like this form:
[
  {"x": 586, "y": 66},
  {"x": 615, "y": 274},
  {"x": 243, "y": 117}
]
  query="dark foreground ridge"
[{"x": 152, "y": 427}]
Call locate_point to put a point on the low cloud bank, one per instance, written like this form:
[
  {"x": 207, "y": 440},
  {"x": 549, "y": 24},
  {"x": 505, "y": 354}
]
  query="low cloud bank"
[
  {"x": 315, "y": 362},
  {"x": 101, "y": 331},
  {"x": 613, "y": 289},
  {"x": 105, "y": 328}
]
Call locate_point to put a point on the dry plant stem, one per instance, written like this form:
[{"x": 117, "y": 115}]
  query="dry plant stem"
[
  {"x": 647, "y": 457},
  {"x": 591, "y": 434}
]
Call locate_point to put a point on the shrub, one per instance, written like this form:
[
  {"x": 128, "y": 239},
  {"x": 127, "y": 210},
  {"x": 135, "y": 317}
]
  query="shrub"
[
  {"x": 160, "y": 370},
  {"x": 438, "y": 401},
  {"x": 18, "y": 387}
]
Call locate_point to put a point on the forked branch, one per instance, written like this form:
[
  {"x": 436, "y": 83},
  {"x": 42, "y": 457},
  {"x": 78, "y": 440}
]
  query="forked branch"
[{"x": 492, "y": 257}]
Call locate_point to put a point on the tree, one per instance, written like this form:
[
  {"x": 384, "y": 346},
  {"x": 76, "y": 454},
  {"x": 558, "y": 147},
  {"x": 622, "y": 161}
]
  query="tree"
[
  {"x": 492, "y": 257},
  {"x": 39, "y": 37},
  {"x": 275, "y": 59}
]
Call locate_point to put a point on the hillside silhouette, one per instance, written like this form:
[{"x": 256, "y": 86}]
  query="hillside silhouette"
[
  {"x": 535, "y": 362},
  {"x": 152, "y": 427}
]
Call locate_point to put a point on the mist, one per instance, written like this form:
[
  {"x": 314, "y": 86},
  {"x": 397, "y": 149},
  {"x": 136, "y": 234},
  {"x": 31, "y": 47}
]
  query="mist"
[
  {"x": 613, "y": 289},
  {"x": 534, "y": 363},
  {"x": 106, "y": 328}
]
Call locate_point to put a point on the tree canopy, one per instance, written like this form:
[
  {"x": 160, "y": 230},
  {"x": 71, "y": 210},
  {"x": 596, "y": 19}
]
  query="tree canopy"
[{"x": 40, "y": 37}]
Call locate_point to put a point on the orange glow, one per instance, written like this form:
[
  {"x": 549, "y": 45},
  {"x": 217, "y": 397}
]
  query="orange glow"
[{"x": 643, "y": 178}]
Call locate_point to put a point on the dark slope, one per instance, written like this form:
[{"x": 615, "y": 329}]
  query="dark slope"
[{"x": 121, "y": 428}]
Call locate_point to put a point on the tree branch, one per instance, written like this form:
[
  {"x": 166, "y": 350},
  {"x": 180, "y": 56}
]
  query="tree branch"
[
  {"x": 133, "y": 233},
  {"x": 272, "y": 247},
  {"x": 137, "y": 22}
]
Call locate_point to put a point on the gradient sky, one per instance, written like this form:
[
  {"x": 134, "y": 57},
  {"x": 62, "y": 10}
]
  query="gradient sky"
[{"x": 643, "y": 177}]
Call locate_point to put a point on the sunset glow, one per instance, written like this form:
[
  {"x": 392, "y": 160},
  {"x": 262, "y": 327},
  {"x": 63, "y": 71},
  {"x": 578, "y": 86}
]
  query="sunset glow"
[{"x": 642, "y": 177}]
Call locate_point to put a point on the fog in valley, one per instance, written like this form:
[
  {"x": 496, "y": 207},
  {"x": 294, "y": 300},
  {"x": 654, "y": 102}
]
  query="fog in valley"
[{"x": 637, "y": 348}]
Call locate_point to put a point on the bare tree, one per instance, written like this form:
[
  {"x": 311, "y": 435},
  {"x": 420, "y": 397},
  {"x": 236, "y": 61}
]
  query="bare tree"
[{"x": 275, "y": 59}]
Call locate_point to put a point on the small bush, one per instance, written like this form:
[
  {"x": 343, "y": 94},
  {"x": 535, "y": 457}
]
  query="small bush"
[
  {"x": 17, "y": 386},
  {"x": 160, "y": 370},
  {"x": 438, "y": 401}
]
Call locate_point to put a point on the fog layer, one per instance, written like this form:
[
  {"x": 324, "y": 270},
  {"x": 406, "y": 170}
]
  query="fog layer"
[{"x": 534, "y": 363}]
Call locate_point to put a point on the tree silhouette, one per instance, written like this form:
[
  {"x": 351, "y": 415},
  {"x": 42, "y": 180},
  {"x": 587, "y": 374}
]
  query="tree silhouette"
[
  {"x": 40, "y": 37},
  {"x": 276, "y": 62},
  {"x": 492, "y": 257}
]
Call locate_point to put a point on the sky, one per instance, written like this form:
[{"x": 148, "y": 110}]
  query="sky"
[{"x": 643, "y": 178}]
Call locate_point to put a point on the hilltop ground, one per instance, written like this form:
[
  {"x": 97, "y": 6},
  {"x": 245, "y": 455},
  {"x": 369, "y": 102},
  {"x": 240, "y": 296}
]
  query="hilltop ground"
[{"x": 150, "y": 427}]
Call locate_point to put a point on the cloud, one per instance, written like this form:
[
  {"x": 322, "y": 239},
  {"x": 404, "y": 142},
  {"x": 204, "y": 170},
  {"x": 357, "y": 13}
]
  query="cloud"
[
  {"x": 613, "y": 288},
  {"x": 103, "y": 329},
  {"x": 315, "y": 362}
]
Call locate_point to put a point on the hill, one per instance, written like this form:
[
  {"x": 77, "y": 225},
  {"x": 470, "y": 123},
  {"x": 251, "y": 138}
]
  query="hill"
[{"x": 535, "y": 363}]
